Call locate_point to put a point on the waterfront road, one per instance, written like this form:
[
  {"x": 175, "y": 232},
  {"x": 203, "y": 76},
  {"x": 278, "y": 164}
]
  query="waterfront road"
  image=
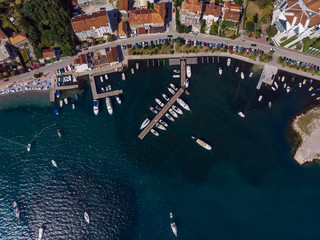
[{"x": 200, "y": 37}]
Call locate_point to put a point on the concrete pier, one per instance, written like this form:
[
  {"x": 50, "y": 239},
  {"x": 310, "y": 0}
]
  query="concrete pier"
[
  {"x": 266, "y": 75},
  {"x": 52, "y": 90},
  {"x": 68, "y": 87},
  {"x": 183, "y": 72},
  {"x": 96, "y": 95}
]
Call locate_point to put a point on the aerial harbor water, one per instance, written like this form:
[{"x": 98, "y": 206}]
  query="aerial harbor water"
[{"x": 247, "y": 187}]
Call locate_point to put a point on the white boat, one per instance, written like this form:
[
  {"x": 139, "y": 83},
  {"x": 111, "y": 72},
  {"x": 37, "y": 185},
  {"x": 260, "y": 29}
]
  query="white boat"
[
  {"x": 313, "y": 94},
  {"x": 73, "y": 106},
  {"x": 102, "y": 89},
  {"x": 65, "y": 100},
  {"x": 86, "y": 217},
  {"x": 118, "y": 99},
  {"x": 183, "y": 104},
  {"x": 123, "y": 76},
  {"x": 16, "y": 209},
  {"x": 109, "y": 87},
  {"x": 318, "y": 98},
  {"x": 165, "y": 97},
  {"x": 242, "y": 75},
  {"x": 106, "y": 76},
  {"x": 173, "y": 113},
  {"x": 260, "y": 98},
  {"x": 154, "y": 132},
  {"x": 220, "y": 70},
  {"x": 169, "y": 117},
  {"x": 228, "y": 62},
  {"x": 163, "y": 123},
  {"x": 203, "y": 143},
  {"x": 186, "y": 84},
  {"x": 288, "y": 89},
  {"x": 276, "y": 84},
  {"x": 96, "y": 107},
  {"x": 54, "y": 163},
  {"x": 153, "y": 110},
  {"x": 29, "y": 147},
  {"x": 171, "y": 215},
  {"x": 160, "y": 126},
  {"x": 269, "y": 104},
  {"x": 159, "y": 102},
  {"x": 61, "y": 103},
  {"x": 310, "y": 89},
  {"x": 132, "y": 70},
  {"x": 282, "y": 79},
  {"x": 101, "y": 78},
  {"x": 176, "y": 109},
  {"x": 176, "y": 71},
  {"x": 176, "y": 76},
  {"x": 284, "y": 85},
  {"x": 145, "y": 123},
  {"x": 189, "y": 71},
  {"x": 173, "y": 86},
  {"x": 174, "y": 229},
  {"x": 237, "y": 69},
  {"x": 109, "y": 105},
  {"x": 241, "y": 114},
  {"x": 273, "y": 88},
  {"x": 137, "y": 66},
  {"x": 304, "y": 81},
  {"x": 40, "y": 235},
  {"x": 300, "y": 85},
  {"x": 250, "y": 75},
  {"x": 171, "y": 91}
]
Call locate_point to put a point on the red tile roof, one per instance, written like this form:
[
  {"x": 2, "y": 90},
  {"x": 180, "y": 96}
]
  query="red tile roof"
[
  {"x": 112, "y": 55},
  {"x": 123, "y": 5},
  {"x": 192, "y": 6},
  {"x": 211, "y": 9},
  {"x": 48, "y": 53},
  {"x": 148, "y": 16},
  {"x": 232, "y": 16},
  {"x": 18, "y": 38},
  {"x": 141, "y": 30},
  {"x": 86, "y": 22}
]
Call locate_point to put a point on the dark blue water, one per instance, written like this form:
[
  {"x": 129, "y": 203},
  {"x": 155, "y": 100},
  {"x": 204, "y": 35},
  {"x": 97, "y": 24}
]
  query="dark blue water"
[{"x": 247, "y": 187}]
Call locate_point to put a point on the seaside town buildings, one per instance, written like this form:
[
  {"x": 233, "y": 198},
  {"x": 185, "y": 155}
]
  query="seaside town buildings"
[
  {"x": 211, "y": 13},
  {"x": 191, "y": 12},
  {"x": 231, "y": 12}
]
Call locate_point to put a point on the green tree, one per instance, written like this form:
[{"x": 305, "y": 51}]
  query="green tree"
[
  {"x": 272, "y": 31},
  {"x": 250, "y": 26},
  {"x": 110, "y": 38},
  {"x": 36, "y": 75},
  {"x": 203, "y": 26},
  {"x": 214, "y": 29},
  {"x": 265, "y": 19}
]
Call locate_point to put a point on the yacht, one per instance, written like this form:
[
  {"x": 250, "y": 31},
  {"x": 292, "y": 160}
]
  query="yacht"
[
  {"x": 241, "y": 114},
  {"x": 132, "y": 70},
  {"x": 189, "y": 71},
  {"x": 310, "y": 89},
  {"x": 153, "y": 110},
  {"x": 300, "y": 85},
  {"x": 159, "y": 102},
  {"x": 41, "y": 230},
  {"x": 176, "y": 76},
  {"x": 163, "y": 123},
  {"x": 61, "y": 103},
  {"x": 160, "y": 126},
  {"x": 137, "y": 66},
  {"x": 101, "y": 79},
  {"x": 118, "y": 99},
  {"x": 242, "y": 75},
  {"x": 174, "y": 229},
  {"x": 282, "y": 79},
  {"x": 220, "y": 70},
  {"x": 106, "y": 76},
  {"x": 237, "y": 69},
  {"x": 65, "y": 100},
  {"x": 154, "y": 132},
  {"x": 178, "y": 110},
  {"x": 202, "y": 143},
  {"x": 228, "y": 62},
  {"x": 269, "y": 104},
  {"x": 109, "y": 87},
  {"x": 109, "y": 105},
  {"x": 260, "y": 98},
  {"x": 250, "y": 75},
  {"x": 123, "y": 76},
  {"x": 145, "y": 123},
  {"x": 186, "y": 84},
  {"x": 54, "y": 163},
  {"x": 173, "y": 113},
  {"x": 96, "y": 107},
  {"x": 165, "y": 97},
  {"x": 29, "y": 147},
  {"x": 173, "y": 86},
  {"x": 102, "y": 89},
  {"x": 73, "y": 106},
  {"x": 176, "y": 71},
  {"x": 86, "y": 217},
  {"x": 288, "y": 89},
  {"x": 183, "y": 104},
  {"x": 169, "y": 117},
  {"x": 16, "y": 210},
  {"x": 171, "y": 91}
]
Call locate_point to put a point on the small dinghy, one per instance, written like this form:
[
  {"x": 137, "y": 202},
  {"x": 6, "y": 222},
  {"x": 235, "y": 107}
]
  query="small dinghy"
[
  {"x": 304, "y": 81},
  {"x": 40, "y": 235},
  {"x": 56, "y": 112},
  {"x": 220, "y": 71},
  {"x": 102, "y": 89},
  {"x": 86, "y": 217},
  {"x": 60, "y": 103},
  {"x": 132, "y": 70},
  {"x": 260, "y": 98},
  {"x": 29, "y": 147},
  {"x": 118, "y": 99},
  {"x": 269, "y": 104},
  {"x": 65, "y": 101},
  {"x": 242, "y": 75},
  {"x": 284, "y": 85},
  {"x": 310, "y": 89},
  {"x": 59, "y": 133},
  {"x": 123, "y": 76},
  {"x": 54, "y": 163},
  {"x": 73, "y": 106},
  {"x": 241, "y": 114},
  {"x": 288, "y": 89},
  {"x": 174, "y": 229},
  {"x": 282, "y": 79},
  {"x": 101, "y": 79},
  {"x": 250, "y": 75},
  {"x": 300, "y": 85},
  {"x": 16, "y": 210},
  {"x": 106, "y": 76}
]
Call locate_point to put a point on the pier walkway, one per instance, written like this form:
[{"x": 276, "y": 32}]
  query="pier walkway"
[
  {"x": 52, "y": 90},
  {"x": 68, "y": 87},
  {"x": 96, "y": 95},
  {"x": 266, "y": 75},
  {"x": 161, "y": 113},
  {"x": 183, "y": 72}
]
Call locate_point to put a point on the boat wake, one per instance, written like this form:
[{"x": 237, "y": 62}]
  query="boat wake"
[{"x": 38, "y": 134}]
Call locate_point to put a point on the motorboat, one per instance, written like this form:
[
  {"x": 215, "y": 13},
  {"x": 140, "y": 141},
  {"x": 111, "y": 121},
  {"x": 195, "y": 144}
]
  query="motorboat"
[
  {"x": 163, "y": 123},
  {"x": 56, "y": 112},
  {"x": 176, "y": 71},
  {"x": 250, "y": 75},
  {"x": 73, "y": 106},
  {"x": 154, "y": 132},
  {"x": 176, "y": 109},
  {"x": 145, "y": 123},
  {"x": 173, "y": 86},
  {"x": 220, "y": 70},
  {"x": 96, "y": 107},
  {"x": 171, "y": 215},
  {"x": 109, "y": 105},
  {"x": 132, "y": 70},
  {"x": 102, "y": 89},
  {"x": 159, "y": 102},
  {"x": 269, "y": 104},
  {"x": 284, "y": 85},
  {"x": 59, "y": 133},
  {"x": 173, "y": 113},
  {"x": 275, "y": 84},
  {"x": 241, "y": 114},
  {"x": 153, "y": 110},
  {"x": 160, "y": 126},
  {"x": 318, "y": 98},
  {"x": 288, "y": 89},
  {"x": 186, "y": 92},
  {"x": 176, "y": 76},
  {"x": 137, "y": 66},
  {"x": 101, "y": 78},
  {"x": 171, "y": 91},
  {"x": 310, "y": 89},
  {"x": 300, "y": 84},
  {"x": 109, "y": 87},
  {"x": 189, "y": 71},
  {"x": 169, "y": 117},
  {"x": 311, "y": 81},
  {"x": 228, "y": 62},
  {"x": 61, "y": 103},
  {"x": 186, "y": 84},
  {"x": 123, "y": 76},
  {"x": 237, "y": 69},
  {"x": 165, "y": 97},
  {"x": 54, "y": 163},
  {"x": 65, "y": 101},
  {"x": 86, "y": 217},
  {"x": 58, "y": 94},
  {"x": 40, "y": 235},
  {"x": 260, "y": 98},
  {"x": 183, "y": 104},
  {"x": 174, "y": 229},
  {"x": 158, "y": 108},
  {"x": 304, "y": 81},
  {"x": 16, "y": 209},
  {"x": 242, "y": 75},
  {"x": 278, "y": 78},
  {"x": 118, "y": 99},
  {"x": 106, "y": 76},
  {"x": 29, "y": 147},
  {"x": 202, "y": 143},
  {"x": 282, "y": 79},
  {"x": 273, "y": 88},
  {"x": 313, "y": 94}
]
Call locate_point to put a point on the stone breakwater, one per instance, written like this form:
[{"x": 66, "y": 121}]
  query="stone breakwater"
[{"x": 307, "y": 125}]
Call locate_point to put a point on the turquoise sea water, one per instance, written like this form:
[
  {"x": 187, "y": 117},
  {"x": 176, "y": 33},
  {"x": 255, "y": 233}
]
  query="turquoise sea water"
[{"x": 248, "y": 187}]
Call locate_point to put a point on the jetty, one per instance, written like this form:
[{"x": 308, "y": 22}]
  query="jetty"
[
  {"x": 183, "y": 72},
  {"x": 96, "y": 95},
  {"x": 266, "y": 75},
  {"x": 52, "y": 90}
]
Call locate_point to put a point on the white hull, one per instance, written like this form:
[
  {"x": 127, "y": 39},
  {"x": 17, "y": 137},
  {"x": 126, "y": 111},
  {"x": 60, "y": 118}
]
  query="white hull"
[
  {"x": 188, "y": 71},
  {"x": 163, "y": 123},
  {"x": 269, "y": 104},
  {"x": 66, "y": 100},
  {"x": 118, "y": 99},
  {"x": 54, "y": 163},
  {"x": 241, "y": 114},
  {"x": 154, "y": 132},
  {"x": 310, "y": 89},
  {"x": 16, "y": 210},
  {"x": 109, "y": 87},
  {"x": 132, "y": 70},
  {"x": 177, "y": 110},
  {"x": 106, "y": 77},
  {"x": 159, "y": 102},
  {"x": 165, "y": 97},
  {"x": 228, "y": 62},
  {"x": 282, "y": 79},
  {"x": 203, "y": 144},
  {"x": 183, "y": 104},
  {"x": 242, "y": 75},
  {"x": 145, "y": 123},
  {"x": 123, "y": 76},
  {"x": 60, "y": 103},
  {"x": 260, "y": 98},
  {"x": 29, "y": 147},
  {"x": 101, "y": 79},
  {"x": 220, "y": 71},
  {"x": 174, "y": 229},
  {"x": 109, "y": 105},
  {"x": 73, "y": 106},
  {"x": 86, "y": 217},
  {"x": 171, "y": 91},
  {"x": 173, "y": 113},
  {"x": 250, "y": 75},
  {"x": 96, "y": 107},
  {"x": 176, "y": 76},
  {"x": 173, "y": 87},
  {"x": 160, "y": 126},
  {"x": 40, "y": 234},
  {"x": 169, "y": 117}
]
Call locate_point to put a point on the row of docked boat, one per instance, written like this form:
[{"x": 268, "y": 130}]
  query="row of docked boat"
[
  {"x": 108, "y": 105},
  {"x": 65, "y": 101},
  {"x": 106, "y": 89},
  {"x": 105, "y": 77}
]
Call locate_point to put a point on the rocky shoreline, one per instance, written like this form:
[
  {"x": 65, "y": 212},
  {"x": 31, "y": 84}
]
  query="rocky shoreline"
[{"x": 307, "y": 126}]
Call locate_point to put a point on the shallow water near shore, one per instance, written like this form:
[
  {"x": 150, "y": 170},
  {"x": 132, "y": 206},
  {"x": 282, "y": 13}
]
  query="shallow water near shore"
[{"x": 247, "y": 187}]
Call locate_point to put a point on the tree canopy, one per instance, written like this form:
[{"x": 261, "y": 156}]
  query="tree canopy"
[{"x": 272, "y": 31}]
